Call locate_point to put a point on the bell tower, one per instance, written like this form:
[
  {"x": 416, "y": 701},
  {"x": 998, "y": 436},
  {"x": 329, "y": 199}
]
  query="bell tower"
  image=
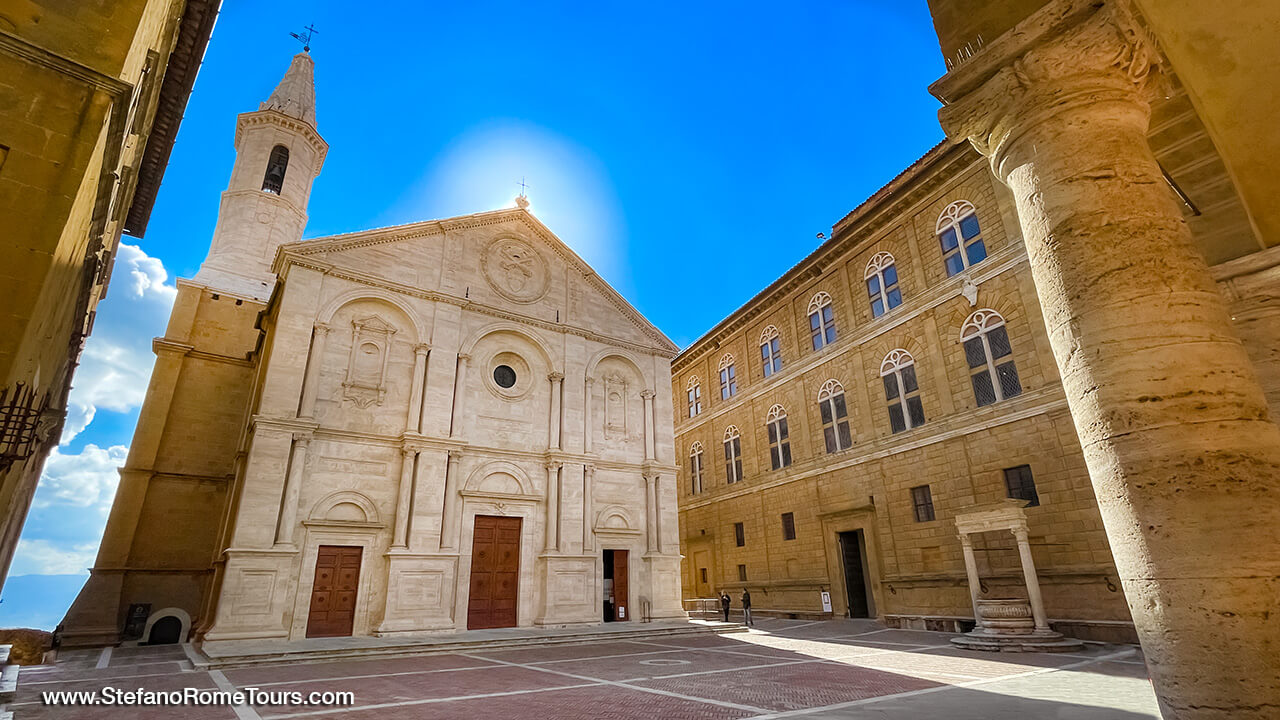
[{"x": 278, "y": 155}]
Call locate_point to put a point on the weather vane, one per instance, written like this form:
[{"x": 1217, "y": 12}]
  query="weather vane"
[
  {"x": 522, "y": 200},
  {"x": 305, "y": 36},
  {"x": 523, "y": 187}
]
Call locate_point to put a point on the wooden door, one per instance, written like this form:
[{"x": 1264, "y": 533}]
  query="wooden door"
[
  {"x": 333, "y": 595},
  {"x": 854, "y": 578},
  {"x": 621, "y": 607},
  {"x": 495, "y": 572}
]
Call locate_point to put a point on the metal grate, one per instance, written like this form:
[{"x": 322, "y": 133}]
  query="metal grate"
[{"x": 20, "y": 411}]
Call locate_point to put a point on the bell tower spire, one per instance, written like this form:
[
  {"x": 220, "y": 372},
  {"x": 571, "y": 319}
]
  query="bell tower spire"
[{"x": 279, "y": 153}]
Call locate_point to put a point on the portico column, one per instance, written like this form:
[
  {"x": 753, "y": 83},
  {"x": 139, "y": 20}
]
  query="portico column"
[
  {"x": 1032, "y": 580},
  {"x": 448, "y": 523},
  {"x": 457, "y": 419},
  {"x": 650, "y": 512},
  {"x": 588, "y": 430},
  {"x": 588, "y": 533},
  {"x": 553, "y": 507},
  {"x": 1174, "y": 427},
  {"x": 414, "y": 421},
  {"x": 292, "y": 486},
  {"x": 648, "y": 424},
  {"x": 310, "y": 385},
  {"x": 401, "y": 534},
  {"x": 555, "y": 378},
  {"x": 971, "y": 570}
]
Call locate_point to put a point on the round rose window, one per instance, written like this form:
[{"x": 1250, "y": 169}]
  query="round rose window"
[{"x": 505, "y": 376}]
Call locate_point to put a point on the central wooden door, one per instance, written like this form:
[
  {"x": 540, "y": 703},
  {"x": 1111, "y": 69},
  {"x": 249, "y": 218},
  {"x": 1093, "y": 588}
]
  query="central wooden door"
[
  {"x": 333, "y": 595},
  {"x": 495, "y": 572},
  {"x": 620, "y": 574}
]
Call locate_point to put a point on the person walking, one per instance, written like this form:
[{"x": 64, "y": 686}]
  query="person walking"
[
  {"x": 725, "y": 602},
  {"x": 746, "y": 607}
]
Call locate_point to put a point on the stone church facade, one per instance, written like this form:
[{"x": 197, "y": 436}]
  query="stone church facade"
[{"x": 445, "y": 425}]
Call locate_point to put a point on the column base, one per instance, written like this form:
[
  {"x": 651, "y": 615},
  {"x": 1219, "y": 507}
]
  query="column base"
[{"x": 1036, "y": 641}]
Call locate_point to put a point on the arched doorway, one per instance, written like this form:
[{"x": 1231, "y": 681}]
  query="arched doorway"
[{"x": 165, "y": 631}]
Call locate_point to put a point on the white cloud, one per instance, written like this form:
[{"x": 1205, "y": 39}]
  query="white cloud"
[
  {"x": 86, "y": 480},
  {"x": 41, "y": 557},
  {"x": 117, "y": 361}
]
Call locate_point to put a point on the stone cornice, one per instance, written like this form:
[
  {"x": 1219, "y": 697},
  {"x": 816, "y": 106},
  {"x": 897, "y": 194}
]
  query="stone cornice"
[{"x": 275, "y": 117}]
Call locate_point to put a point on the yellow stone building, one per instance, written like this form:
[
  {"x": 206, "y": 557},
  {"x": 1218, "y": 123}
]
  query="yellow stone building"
[
  {"x": 832, "y": 429},
  {"x": 91, "y": 97}
]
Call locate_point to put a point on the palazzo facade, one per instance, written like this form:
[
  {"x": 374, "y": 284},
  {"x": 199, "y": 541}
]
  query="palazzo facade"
[{"x": 433, "y": 427}]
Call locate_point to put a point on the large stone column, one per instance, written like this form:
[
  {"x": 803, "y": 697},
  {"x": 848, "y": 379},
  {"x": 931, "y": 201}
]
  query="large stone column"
[
  {"x": 1032, "y": 580},
  {"x": 448, "y": 519},
  {"x": 292, "y": 488},
  {"x": 588, "y": 430},
  {"x": 650, "y": 512},
  {"x": 458, "y": 419},
  {"x": 553, "y": 507},
  {"x": 400, "y": 535},
  {"x": 971, "y": 570},
  {"x": 413, "y": 423},
  {"x": 649, "y": 439},
  {"x": 1182, "y": 455},
  {"x": 554, "y": 421},
  {"x": 588, "y": 532},
  {"x": 307, "y": 406}
]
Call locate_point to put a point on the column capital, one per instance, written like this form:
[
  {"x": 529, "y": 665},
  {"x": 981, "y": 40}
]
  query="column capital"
[
  {"x": 323, "y": 328},
  {"x": 1020, "y": 533},
  {"x": 302, "y": 438},
  {"x": 647, "y": 394},
  {"x": 553, "y": 465},
  {"x": 408, "y": 451},
  {"x": 966, "y": 541},
  {"x": 455, "y": 456},
  {"x": 555, "y": 377},
  {"x": 590, "y": 381},
  {"x": 464, "y": 357},
  {"x": 589, "y": 468},
  {"x": 421, "y": 348},
  {"x": 1070, "y": 54}
]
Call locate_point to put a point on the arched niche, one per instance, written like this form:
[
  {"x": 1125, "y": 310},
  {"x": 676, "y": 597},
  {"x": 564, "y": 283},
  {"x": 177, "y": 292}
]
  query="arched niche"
[{"x": 345, "y": 507}]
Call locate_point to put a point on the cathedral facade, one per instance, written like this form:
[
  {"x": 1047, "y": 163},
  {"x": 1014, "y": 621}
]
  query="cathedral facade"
[{"x": 432, "y": 427}]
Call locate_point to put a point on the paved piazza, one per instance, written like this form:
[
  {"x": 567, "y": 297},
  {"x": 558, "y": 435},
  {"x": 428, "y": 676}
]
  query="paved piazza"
[{"x": 783, "y": 668}]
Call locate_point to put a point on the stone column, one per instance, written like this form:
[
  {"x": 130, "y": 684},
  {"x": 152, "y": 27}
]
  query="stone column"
[
  {"x": 457, "y": 419},
  {"x": 650, "y": 512},
  {"x": 400, "y": 537},
  {"x": 414, "y": 422},
  {"x": 588, "y": 480},
  {"x": 292, "y": 486},
  {"x": 971, "y": 570},
  {"x": 1173, "y": 424},
  {"x": 554, "y": 423},
  {"x": 588, "y": 430},
  {"x": 648, "y": 424},
  {"x": 1030, "y": 577},
  {"x": 449, "y": 523},
  {"x": 311, "y": 385},
  {"x": 553, "y": 507}
]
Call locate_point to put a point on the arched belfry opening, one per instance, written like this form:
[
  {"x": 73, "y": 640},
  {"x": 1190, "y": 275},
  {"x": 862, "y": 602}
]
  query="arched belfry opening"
[{"x": 276, "y": 166}]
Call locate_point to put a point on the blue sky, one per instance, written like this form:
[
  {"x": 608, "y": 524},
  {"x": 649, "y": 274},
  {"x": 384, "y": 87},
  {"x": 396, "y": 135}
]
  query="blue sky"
[{"x": 702, "y": 145}]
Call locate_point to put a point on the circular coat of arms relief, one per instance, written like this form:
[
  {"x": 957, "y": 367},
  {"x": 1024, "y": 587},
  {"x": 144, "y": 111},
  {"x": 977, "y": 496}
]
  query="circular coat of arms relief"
[{"x": 515, "y": 270}]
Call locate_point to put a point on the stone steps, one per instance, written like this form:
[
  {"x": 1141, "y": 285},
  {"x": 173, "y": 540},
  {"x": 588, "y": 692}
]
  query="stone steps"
[
  {"x": 226, "y": 655},
  {"x": 8, "y": 679}
]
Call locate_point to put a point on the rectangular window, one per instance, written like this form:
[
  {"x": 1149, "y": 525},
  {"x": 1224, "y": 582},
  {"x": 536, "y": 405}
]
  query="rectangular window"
[
  {"x": 835, "y": 423},
  {"x": 733, "y": 460},
  {"x": 702, "y": 573},
  {"x": 742, "y": 573},
  {"x": 779, "y": 444},
  {"x": 788, "y": 526},
  {"x": 695, "y": 400},
  {"x": 739, "y": 535},
  {"x": 822, "y": 326},
  {"x": 771, "y": 356},
  {"x": 695, "y": 472},
  {"x": 1021, "y": 485},
  {"x": 922, "y": 500},
  {"x": 728, "y": 382}
]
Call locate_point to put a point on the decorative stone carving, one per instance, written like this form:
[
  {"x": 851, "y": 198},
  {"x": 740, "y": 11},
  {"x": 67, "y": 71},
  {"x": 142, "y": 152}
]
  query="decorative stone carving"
[
  {"x": 615, "y": 406},
  {"x": 367, "y": 367},
  {"x": 515, "y": 270}
]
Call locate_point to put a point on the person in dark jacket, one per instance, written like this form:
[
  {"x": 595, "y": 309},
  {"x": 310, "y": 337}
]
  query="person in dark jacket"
[
  {"x": 746, "y": 607},
  {"x": 725, "y": 602}
]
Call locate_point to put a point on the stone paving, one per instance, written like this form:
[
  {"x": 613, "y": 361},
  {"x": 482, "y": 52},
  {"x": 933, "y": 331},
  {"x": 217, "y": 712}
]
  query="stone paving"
[{"x": 783, "y": 668}]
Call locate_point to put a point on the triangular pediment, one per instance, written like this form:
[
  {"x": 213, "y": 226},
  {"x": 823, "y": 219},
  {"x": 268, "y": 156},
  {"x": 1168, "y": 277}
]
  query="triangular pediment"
[{"x": 503, "y": 260}]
